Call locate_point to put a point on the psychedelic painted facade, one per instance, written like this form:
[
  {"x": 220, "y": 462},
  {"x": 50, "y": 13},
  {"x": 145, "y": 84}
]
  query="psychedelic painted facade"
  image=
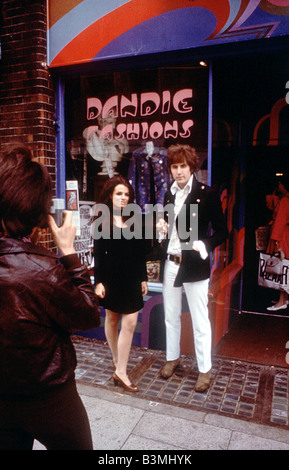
[
  {"x": 238, "y": 127},
  {"x": 83, "y": 31}
]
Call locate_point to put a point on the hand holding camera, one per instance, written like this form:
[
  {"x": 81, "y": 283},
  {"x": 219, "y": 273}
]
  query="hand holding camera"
[{"x": 64, "y": 235}]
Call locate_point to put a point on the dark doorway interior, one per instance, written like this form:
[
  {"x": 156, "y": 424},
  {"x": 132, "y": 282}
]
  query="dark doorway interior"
[{"x": 246, "y": 91}]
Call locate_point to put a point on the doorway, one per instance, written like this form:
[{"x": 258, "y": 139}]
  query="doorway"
[{"x": 250, "y": 121}]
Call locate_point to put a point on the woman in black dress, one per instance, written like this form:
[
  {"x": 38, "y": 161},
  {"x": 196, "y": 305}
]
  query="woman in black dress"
[{"x": 120, "y": 276}]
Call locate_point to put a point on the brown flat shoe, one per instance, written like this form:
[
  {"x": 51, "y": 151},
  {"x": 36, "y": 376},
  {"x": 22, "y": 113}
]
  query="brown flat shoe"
[
  {"x": 168, "y": 369},
  {"x": 203, "y": 381},
  {"x": 128, "y": 388}
]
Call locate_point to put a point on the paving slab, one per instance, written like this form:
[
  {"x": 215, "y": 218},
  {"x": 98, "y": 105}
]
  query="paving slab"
[{"x": 245, "y": 408}]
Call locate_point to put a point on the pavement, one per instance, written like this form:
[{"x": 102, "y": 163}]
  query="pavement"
[{"x": 246, "y": 407}]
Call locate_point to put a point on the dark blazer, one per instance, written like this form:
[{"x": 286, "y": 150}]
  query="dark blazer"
[{"x": 212, "y": 231}]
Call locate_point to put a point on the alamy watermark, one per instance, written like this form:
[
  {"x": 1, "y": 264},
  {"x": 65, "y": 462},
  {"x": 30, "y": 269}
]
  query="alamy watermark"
[{"x": 140, "y": 225}]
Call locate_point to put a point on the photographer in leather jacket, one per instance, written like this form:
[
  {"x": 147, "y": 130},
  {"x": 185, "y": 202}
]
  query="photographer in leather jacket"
[{"x": 43, "y": 299}]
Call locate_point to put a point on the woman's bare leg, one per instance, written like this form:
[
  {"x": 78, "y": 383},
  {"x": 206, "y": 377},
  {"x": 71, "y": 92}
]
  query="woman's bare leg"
[
  {"x": 111, "y": 333},
  {"x": 128, "y": 325},
  {"x": 282, "y": 299}
]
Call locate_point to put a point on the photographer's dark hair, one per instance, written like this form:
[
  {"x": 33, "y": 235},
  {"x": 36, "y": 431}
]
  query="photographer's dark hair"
[{"x": 25, "y": 192}]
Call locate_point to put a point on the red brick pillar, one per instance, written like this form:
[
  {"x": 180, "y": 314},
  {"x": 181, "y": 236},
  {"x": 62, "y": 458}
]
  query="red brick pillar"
[{"x": 27, "y": 97}]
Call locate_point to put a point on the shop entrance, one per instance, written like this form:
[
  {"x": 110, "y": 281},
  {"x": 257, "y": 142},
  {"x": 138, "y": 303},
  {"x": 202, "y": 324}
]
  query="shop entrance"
[
  {"x": 251, "y": 121},
  {"x": 250, "y": 144}
]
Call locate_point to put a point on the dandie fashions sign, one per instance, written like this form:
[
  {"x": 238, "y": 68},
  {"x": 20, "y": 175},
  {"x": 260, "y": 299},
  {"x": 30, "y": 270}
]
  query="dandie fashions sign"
[
  {"x": 124, "y": 122},
  {"x": 143, "y": 106}
]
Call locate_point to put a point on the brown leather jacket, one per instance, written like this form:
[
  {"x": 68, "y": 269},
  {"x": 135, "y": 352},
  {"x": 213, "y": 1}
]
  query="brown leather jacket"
[{"x": 42, "y": 300}]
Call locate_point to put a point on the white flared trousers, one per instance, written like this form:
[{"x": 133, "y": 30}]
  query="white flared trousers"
[{"x": 197, "y": 297}]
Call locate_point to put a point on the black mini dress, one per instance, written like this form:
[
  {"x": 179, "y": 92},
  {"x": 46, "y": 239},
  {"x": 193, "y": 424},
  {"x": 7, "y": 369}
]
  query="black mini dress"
[{"x": 120, "y": 265}]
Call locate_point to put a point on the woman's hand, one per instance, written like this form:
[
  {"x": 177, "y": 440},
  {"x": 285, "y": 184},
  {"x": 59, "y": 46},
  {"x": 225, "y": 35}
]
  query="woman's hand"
[
  {"x": 100, "y": 290},
  {"x": 64, "y": 236},
  {"x": 144, "y": 288}
]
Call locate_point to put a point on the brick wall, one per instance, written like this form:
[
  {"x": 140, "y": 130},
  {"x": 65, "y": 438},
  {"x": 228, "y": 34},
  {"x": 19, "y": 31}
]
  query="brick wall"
[
  {"x": 27, "y": 103},
  {"x": 27, "y": 98}
]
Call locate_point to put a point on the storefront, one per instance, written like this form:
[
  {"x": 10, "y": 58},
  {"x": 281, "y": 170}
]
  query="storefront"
[{"x": 139, "y": 75}]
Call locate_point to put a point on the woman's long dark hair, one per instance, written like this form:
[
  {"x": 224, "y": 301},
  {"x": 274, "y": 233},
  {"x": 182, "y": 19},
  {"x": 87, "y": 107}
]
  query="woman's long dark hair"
[
  {"x": 108, "y": 188},
  {"x": 106, "y": 197}
]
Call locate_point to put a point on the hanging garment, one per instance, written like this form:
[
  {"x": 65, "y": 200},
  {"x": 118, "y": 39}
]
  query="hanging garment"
[{"x": 148, "y": 176}]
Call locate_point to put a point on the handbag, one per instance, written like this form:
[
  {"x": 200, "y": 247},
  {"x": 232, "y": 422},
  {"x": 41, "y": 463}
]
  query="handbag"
[{"x": 273, "y": 272}]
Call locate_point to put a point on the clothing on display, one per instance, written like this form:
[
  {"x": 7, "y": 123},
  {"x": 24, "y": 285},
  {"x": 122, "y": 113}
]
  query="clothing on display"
[{"x": 147, "y": 174}]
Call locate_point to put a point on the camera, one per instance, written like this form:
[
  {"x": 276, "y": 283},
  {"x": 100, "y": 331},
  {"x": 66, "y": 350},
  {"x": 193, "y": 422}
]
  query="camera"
[{"x": 56, "y": 209}]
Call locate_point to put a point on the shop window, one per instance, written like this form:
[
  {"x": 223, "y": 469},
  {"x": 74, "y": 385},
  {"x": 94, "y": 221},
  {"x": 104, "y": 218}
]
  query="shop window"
[{"x": 123, "y": 123}]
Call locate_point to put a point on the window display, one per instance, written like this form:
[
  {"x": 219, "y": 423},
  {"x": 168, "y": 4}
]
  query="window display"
[{"x": 124, "y": 122}]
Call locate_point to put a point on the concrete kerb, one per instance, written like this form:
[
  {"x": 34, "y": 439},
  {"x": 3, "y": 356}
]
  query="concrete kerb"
[{"x": 244, "y": 434}]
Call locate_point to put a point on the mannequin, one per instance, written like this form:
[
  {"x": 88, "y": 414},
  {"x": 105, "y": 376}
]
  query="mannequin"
[{"x": 109, "y": 151}]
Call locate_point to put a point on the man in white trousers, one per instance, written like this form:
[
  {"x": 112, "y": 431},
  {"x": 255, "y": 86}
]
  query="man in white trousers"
[{"x": 196, "y": 228}]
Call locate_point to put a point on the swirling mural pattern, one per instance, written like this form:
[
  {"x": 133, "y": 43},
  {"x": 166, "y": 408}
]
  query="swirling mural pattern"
[{"x": 82, "y": 31}]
